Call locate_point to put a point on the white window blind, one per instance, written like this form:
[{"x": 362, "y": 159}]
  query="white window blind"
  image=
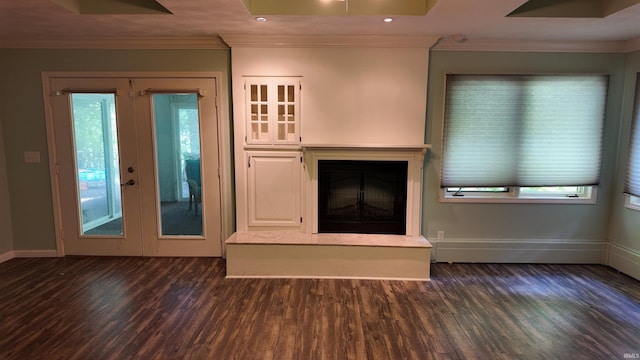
[
  {"x": 523, "y": 130},
  {"x": 632, "y": 183}
]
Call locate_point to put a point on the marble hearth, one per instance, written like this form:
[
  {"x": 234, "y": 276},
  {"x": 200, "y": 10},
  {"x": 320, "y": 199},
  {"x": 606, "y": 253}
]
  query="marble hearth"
[{"x": 280, "y": 254}]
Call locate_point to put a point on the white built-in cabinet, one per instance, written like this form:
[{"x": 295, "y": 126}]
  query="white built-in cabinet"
[
  {"x": 273, "y": 157},
  {"x": 275, "y": 188},
  {"x": 272, "y": 110}
]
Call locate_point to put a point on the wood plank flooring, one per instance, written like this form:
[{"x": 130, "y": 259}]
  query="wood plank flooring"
[{"x": 184, "y": 308}]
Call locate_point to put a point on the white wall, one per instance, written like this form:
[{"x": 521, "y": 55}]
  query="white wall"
[{"x": 349, "y": 95}]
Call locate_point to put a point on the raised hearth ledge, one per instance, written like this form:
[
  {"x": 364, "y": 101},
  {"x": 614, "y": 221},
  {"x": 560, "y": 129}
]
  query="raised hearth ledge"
[
  {"x": 282, "y": 254},
  {"x": 294, "y": 237}
]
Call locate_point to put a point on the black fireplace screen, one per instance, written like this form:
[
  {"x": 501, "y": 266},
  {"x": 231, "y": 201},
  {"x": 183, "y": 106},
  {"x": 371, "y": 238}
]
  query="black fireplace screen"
[{"x": 368, "y": 197}]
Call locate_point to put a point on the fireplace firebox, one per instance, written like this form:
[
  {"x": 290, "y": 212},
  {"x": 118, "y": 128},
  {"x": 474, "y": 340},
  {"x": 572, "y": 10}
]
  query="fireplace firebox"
[{"x": 367, "y": 197}]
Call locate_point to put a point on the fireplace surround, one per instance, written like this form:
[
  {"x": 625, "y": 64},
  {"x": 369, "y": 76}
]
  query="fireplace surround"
[
  {"x": 411, "y": 156},
  {"x": 309, "y": 254}
]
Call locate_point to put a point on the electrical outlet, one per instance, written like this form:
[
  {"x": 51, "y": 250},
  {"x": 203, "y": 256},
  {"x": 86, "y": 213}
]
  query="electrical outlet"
[{"x": 440, "y": 235}]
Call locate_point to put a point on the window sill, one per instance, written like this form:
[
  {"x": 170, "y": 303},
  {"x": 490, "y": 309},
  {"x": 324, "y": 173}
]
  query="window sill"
[
  {"x": 510, "y": 199},
  {"x": 487, "y": 200},
  {"x": 632, "y": 202}
]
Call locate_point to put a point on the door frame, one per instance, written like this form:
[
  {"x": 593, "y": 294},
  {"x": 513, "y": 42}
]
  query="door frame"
[{"x": 223, "y": 137}]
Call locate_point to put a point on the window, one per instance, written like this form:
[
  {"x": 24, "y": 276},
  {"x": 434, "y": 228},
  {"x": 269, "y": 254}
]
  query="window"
[
  {"x": 523, "y": 138},
  {"x": 632, "y": 182},
  {"x": 188, "y": 137},
  {"x": 633, "y": 202},
  {"x": 564, "y": 194}
]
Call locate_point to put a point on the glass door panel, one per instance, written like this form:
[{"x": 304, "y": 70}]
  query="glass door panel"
[
  {"x": 95, "y": 135},
  {"x": 177, "y": 144}
]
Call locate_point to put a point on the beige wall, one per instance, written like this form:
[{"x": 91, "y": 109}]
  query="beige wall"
[
  {"x": 23, "y": 129},
  {"x": 23, "y": 120},
  {"x": 6, "y": 237}
]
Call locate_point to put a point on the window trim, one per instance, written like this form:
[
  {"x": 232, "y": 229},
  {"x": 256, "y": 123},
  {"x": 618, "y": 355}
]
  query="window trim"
[
  {"x": 589, "y": 197},
  {"x": 632, "y": 202},
  {"x": 632, "y": 197}
]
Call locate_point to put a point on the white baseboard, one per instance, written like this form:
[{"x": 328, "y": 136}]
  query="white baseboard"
[
  {"x": 624, "y": 260},
  {"x": 6, "y": 256},
  {"x": 35, "y": 253},
  {"x": 27, "y": 254},
  {"x": 521, "y": 251}
]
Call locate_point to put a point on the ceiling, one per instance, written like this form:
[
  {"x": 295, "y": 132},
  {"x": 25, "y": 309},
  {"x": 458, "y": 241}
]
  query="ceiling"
[{"x": 27, "y": 20}]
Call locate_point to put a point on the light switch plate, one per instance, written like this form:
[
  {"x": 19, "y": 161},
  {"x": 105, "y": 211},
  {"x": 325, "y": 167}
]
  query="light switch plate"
[{"x": 32, "y": 156}]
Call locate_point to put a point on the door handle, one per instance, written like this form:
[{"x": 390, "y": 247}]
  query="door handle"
[{"x": 128, "y": 183}]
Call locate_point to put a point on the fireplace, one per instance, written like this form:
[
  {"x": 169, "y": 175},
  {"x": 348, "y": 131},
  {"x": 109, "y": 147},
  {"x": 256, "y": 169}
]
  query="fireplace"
[
  {"x": 406, "y": 160},
  {"x": 366, "y": 197}
]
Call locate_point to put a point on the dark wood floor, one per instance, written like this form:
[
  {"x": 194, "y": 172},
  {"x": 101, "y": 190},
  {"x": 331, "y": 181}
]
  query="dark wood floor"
[{"x": 169, "y": 308}]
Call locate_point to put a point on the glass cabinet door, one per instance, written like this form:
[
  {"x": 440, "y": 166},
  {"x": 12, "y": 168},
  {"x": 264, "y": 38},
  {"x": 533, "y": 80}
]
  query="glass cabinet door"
[
  {"x": 287, "y": 114},
  {"x": 258, "y": 113},
  {"x": 273, "y": 108}
]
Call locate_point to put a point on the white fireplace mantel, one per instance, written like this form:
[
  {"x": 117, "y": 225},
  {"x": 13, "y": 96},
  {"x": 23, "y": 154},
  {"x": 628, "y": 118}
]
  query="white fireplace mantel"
[
  {"x": 356, "y": 147},
  {"x": 412, "y": 154}
]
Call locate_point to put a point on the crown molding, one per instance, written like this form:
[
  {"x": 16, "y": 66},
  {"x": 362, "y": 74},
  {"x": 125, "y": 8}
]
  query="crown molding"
[
  {"x": 520, "y": 45},
  {"x": 351, "y": 41},
  {"x": 212, "y": 42},
  {"x": 633, "y": 45},
  {"x": 391, "y": 41}
]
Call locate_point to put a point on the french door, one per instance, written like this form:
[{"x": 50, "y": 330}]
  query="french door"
[{"x": 137, "y": 165}]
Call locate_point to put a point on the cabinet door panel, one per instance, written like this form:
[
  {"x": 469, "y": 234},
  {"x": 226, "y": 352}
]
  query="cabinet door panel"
[{"x": 274, "y": 189}]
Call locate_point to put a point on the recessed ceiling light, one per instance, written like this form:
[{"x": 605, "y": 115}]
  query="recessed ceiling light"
[
  {"x": 261, "y": 19},
  {"x": 388, "y": 19}
]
